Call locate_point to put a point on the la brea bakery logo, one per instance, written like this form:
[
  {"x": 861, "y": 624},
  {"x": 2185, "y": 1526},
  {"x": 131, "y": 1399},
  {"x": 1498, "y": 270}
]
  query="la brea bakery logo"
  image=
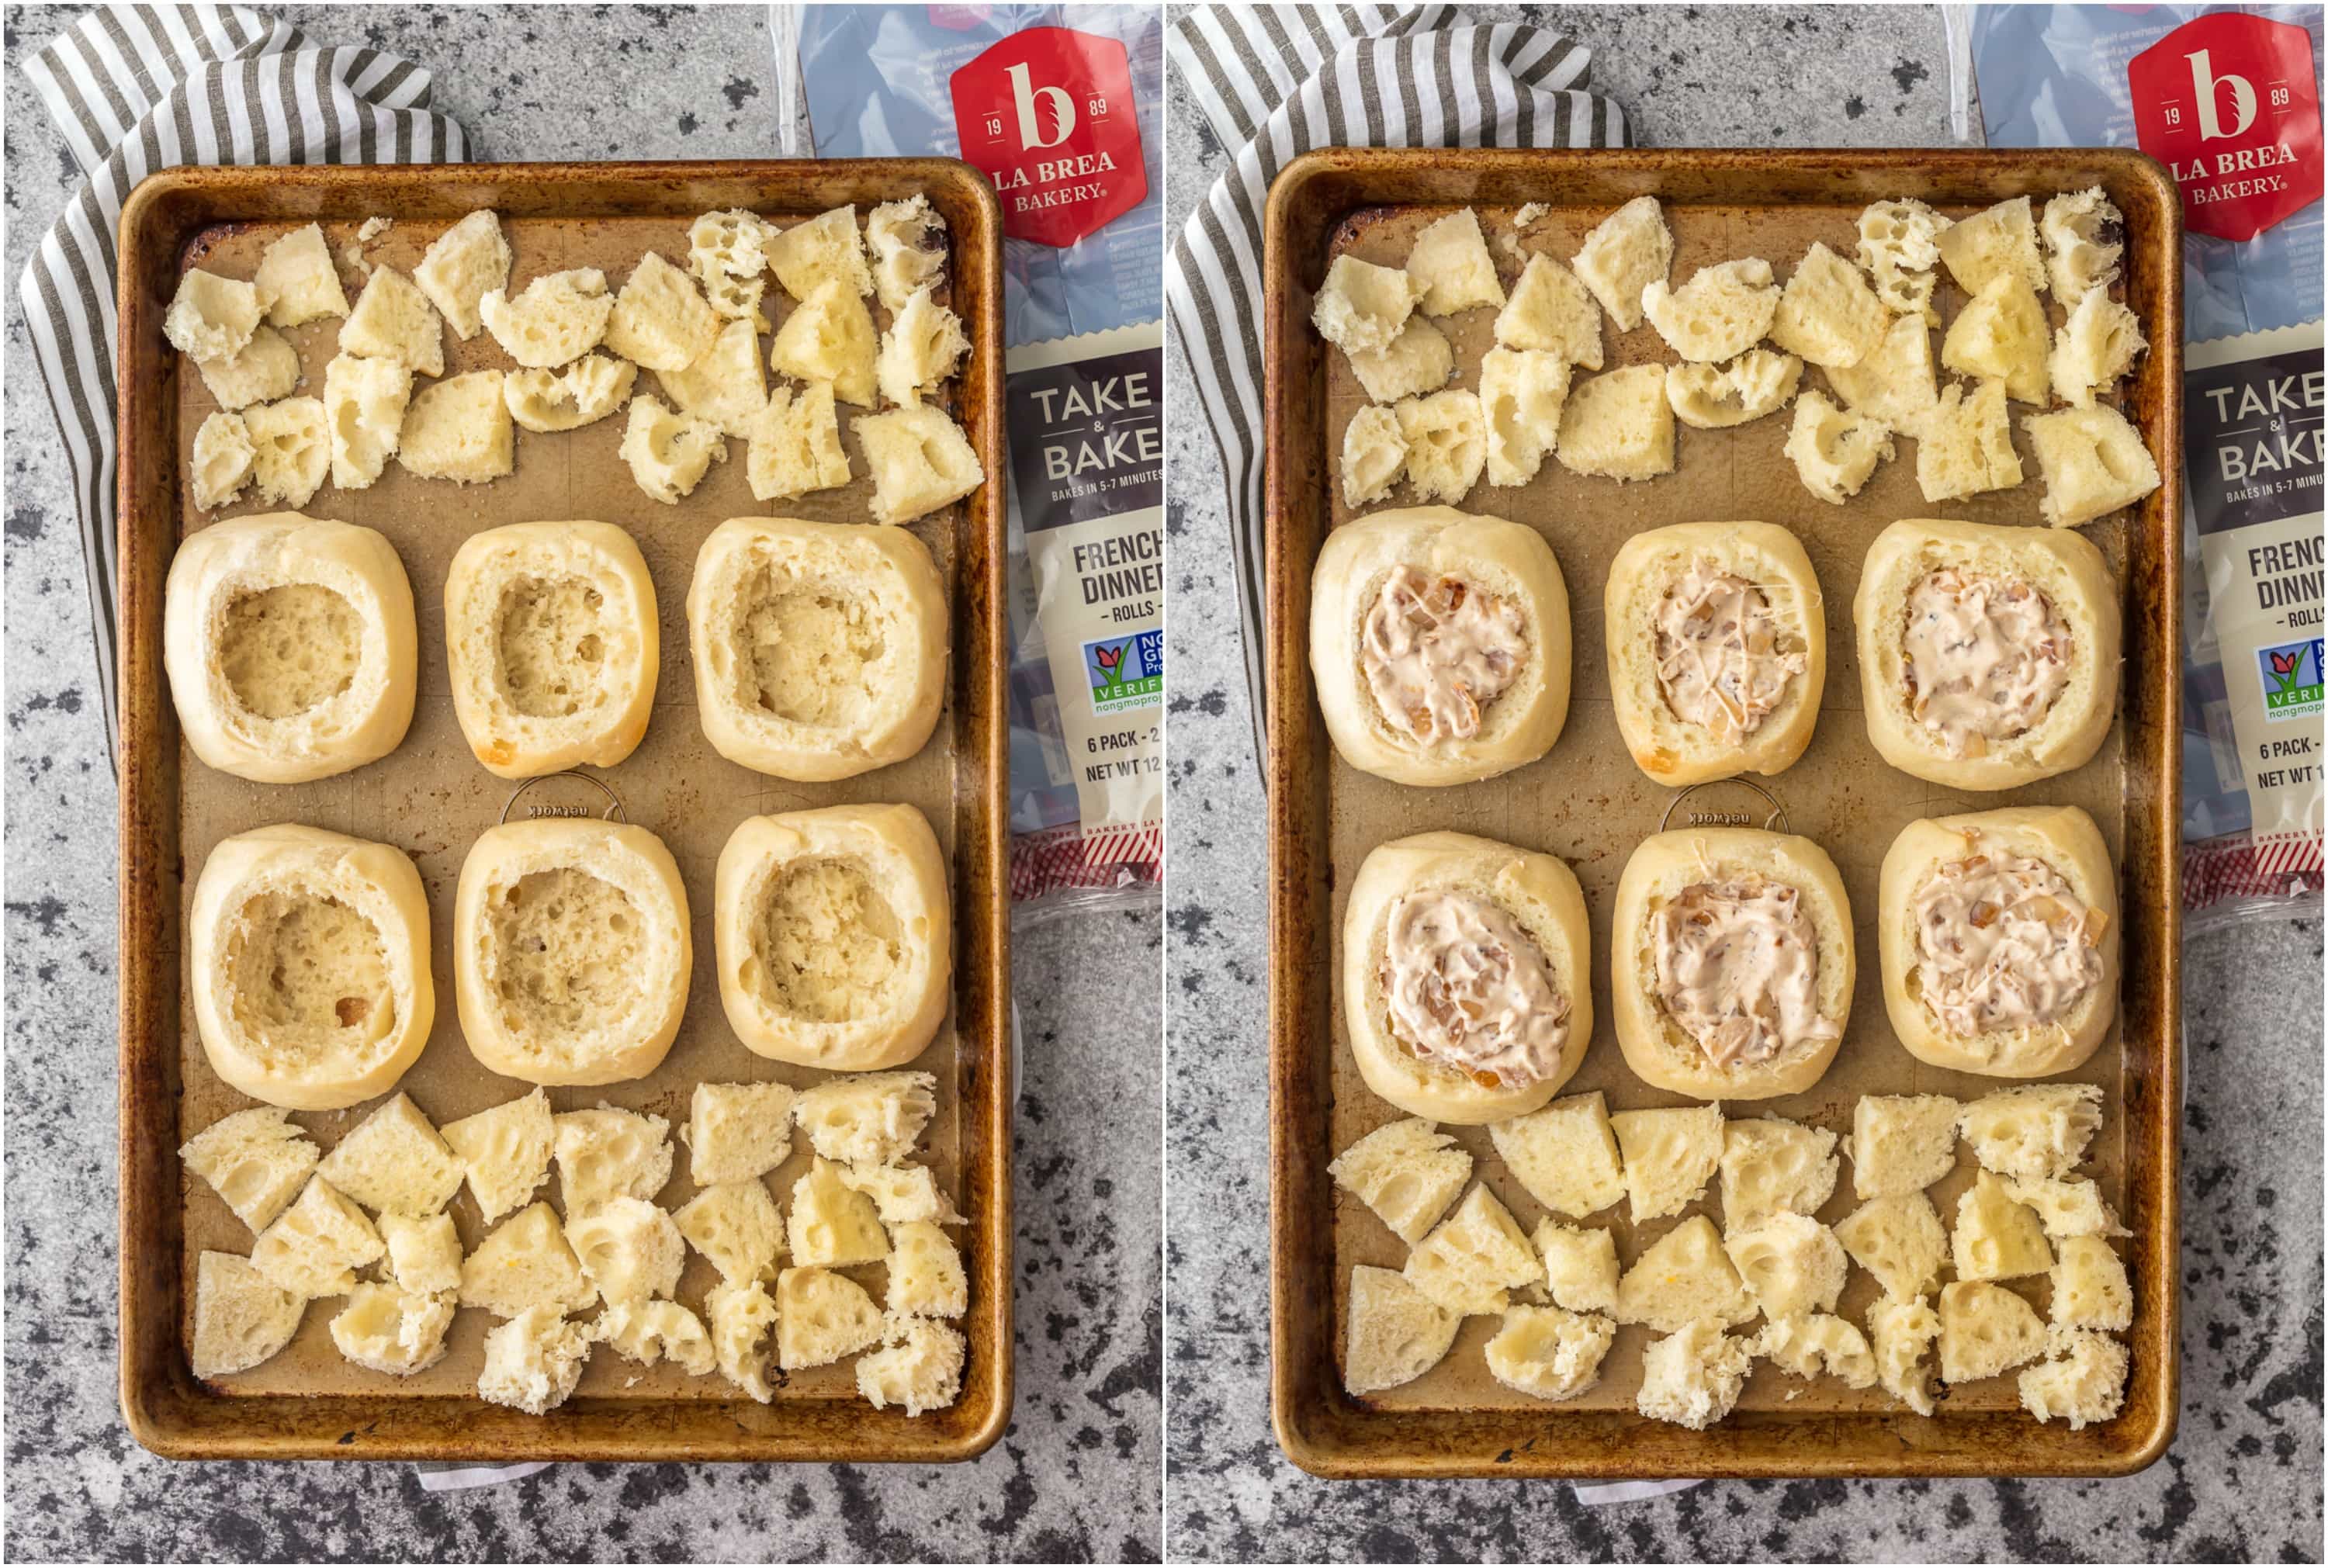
[
  {"x": 1047, "y": 115},
  {"x": 2230, "y": 104}
]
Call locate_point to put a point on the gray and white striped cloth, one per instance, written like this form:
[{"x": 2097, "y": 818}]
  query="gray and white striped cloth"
[
  {"x": 133, "y": 88},
  {"x": 1275, "y": 81}
]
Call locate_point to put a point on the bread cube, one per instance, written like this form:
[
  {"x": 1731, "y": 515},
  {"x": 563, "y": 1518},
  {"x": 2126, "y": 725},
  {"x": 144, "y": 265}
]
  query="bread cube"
[
  {"x": 1419, "y": 360},
  {"x": 737, "y": 1132},
  {"x": 1901, "y": 1143},
  {"x": 832, "y": 1224},
  {"x": 459, "y": 428},
  {"x": 2090, "y": 1289},
  {"x": 821, "y": 1316},
  {"x": 1547, "y": 1352},
  {"x": 552, "y": 321},
  {"x": 291, "y": 450},
  {"x": 2001, "y": 334},
  {"x": 460, "y": 266},
  {"x": 921, "y": 461},
  {"x": 2033, "y": 1129},
  {"x": 1374, "y": 456},
  {"x": 2001, "y": 242},
  {"x": 1580, "y": 1265},
  {"x": 386, "y": 1329},
  {"x": 364, "y": 402},
  {"x": 1625, "y": 253},
  {"x": 1669, "y": 1155},
  {"x": 1446, "y": 443},
  {"x": 647, "y": 1332},
  {"x": 1903, "y": 1333},
  {"x": 867, "y": 1118},
  {"x": 2094, "y": 348},
  {"x": 526, "y": 1262},
  {"x": 534, "y": 1361},
  {"x": 583, "y": 393},
  {"x": 1771, "y": 1165},
  {"x": 830, "y": 337},
  {"x": 1719, "y": 314},
  {"x": 1619, "y": 425},
  {"x": 826, "y": 249},
  {"x": 727, "y": 253},
  {"x": 668, "y": 454},
  {"x": 1985, "y": 1330},
  {"x": 506, "y": 1151},
  {"x": 1450, "y": 266},
  {"x": 1809, "y": 1343},
  {"x": 1899, "y": 245},
  {"x": 2085, "y": 235},
  {"x": 606, "y": 1153},
  {"x": 926, "y": 1272},
  {"x": 1899, "y": 1240},
  {"x": 660, "y": 320},
  {"x": 393, "y": 1162},
  {"x": 743, "y": 1317},
  {"x": 630, "y": 1249},
  {"x": 900, "y": 1193},
  {"x": 735, "y": 1226},
  {"x": 1963, "y": 444},
  {"x": 266, "y": 368},
  {"x": 1682, "y": 1276},
  {"x": 795, "y": 443},
  {"x": 1474, "y": 1256},
  {"x": 1827, "y": 314},
  {"x": 725, "y": 387},
  {"x": 223, "y": 458},
  {"x": 1361, "y": 307},
  {"x": 908, "y": 241},
  {"x": 1551, "y": 312},
  {"x": 241, "y": 1318},
  {"x": 393, "y": 320},
  {"x": 1395, "y": 1333},
  {"x": 1564, "y": 1155},
  {"x": 1790, "y": 1263},
  {"x": 2068, "y": 1206},
  {"x": 314, "y": 1246},
  {"x": 1834, "y": 452},
  {"x": 924, "y": 345},
  {"x": 1718, "y": 397},
  {"x": 919, "y": 1369},
  {"x": 1996, "y": 1238},
  {"x": 1407, "y": 1172},
  {"x": 212, "y": 317},
  {"x": 256, "y": 1160},
  {"x": 1895, "y": 382},
  {"x": 2085, "y": 1383},
  {"x": 2093, "y": 462},
  {"x": 296, "y": 278},
  {"x": 1520, "y": 393},
  {"x": 424, "y": 1254},
  {"x": 1693, "y": 1378}
]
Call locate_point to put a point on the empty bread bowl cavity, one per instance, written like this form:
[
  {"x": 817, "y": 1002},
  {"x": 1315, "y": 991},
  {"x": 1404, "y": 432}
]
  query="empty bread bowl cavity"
[
  {"x": 310, "y": 966},
  {"x": 820, "y": 649},
  {"x": 835, "y": 935},
  {"x": 290, "y": 646},
  {"x": 571, "y": 951},
  {"x": 551, "y": 634}
]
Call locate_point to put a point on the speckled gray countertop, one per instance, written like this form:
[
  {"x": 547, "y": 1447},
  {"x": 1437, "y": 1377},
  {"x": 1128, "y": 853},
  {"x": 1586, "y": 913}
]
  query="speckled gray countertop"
[
  {"x": 2242, "y": 1481},
  {"x": 1073, "y": 1479}
]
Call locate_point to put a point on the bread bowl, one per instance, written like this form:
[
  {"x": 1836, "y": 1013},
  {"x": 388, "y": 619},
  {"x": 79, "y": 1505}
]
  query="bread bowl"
[{"x": 290, "y": 646}]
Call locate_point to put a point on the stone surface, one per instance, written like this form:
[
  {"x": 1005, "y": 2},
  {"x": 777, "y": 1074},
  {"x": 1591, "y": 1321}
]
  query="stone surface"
[
  {"x": 2243, "y": 1477},
  {"x": 1076, "y": 1476}
]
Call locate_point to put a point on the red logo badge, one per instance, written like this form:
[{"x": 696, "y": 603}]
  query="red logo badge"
[
  {"x": 2229, "y": 103},
  {"x": 1047, "y": 115}
]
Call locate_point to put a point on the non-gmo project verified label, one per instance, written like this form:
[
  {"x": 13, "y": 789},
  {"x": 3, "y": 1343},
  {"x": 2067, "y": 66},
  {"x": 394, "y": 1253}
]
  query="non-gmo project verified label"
[
  {"x": 2291, "y": 679},
  {"x": 1126, "y": 671}
]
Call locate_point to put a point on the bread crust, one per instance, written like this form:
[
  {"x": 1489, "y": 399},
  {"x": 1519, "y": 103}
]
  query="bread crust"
[
  {"x": 1507, "y": 558},
  {"x": 220, "y": 565},
  {"x": 893, "y": 847},
  {"x": 1536, "y": 890},
  {"x": 2068, "y": 568},
  {"x": 380, "y": 883},
  {"x": 1667, "y": 749},
  {"x": 1657, "y": 1050},
  {"x": 2065, "y": 839},
  {"x": 632, "y": 1044}
]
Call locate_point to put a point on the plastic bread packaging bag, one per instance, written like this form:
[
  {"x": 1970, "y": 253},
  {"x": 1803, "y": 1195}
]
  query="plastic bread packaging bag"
[
  {"x": 2227, "y": 99},
  {"x": 1060, "y": 108}
]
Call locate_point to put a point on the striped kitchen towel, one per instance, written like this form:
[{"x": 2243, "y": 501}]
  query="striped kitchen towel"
[
  {"x": 1275, "y": 81},
  {"x": 133, "y": 88}
]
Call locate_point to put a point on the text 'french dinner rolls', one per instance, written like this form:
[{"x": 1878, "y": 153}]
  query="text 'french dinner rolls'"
[
  {"x": 552, "y": 641},
  {"x": 835, "y": 935},
  {"x": 290, "y": 646},
  {"x": 1440, "y": 641},
  {"x": 820, "y": 648},
  {"x": 571, "y": 950},
  {"x": 310, "y": 966},
  {"x": 1730, "y": 962},
  {"x": 1999, "y": 939},
  {"x": 1717, "y": 649},
  {"x": 1988, "y": 656},
  {"x": 1466, "y": 976}
]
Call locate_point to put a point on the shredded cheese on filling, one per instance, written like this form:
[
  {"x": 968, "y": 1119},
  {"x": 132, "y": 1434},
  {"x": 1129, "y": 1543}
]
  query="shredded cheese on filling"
[
  {"x": 1719, "y": 664},
  {"x": 1987, "y": 658},
  {"x": 1738, "y": 969},
  {"x": 1437, "y": 653},
  {"x": 1471, "y": 990},
  {"x": 2002, "y": 944}
]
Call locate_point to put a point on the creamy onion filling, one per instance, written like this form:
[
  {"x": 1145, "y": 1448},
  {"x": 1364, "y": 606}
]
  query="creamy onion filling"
[
  {"x": 2003, "y": 943},
  {"x": 1468, "y": 988},
  {"x": 1721, "y": 660},
  {"x": 1987, "y": 658},
  {"x": 1738, "y": 969},
  {"x": 1438, "y": 652}
]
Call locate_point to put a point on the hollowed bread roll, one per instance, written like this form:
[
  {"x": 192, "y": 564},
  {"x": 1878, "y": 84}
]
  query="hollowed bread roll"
[
  {"x": 2031, "y": 989},
  {"x": 571, "y": 950},
  {"x": 1439, "y": 643},
  {"x": 310, "y": 966},
  {"x": 820, "y": 648},
  {"x": 1958, "y": 578},
  {"x": 552, "y": 636},
  {"x": 835, "y": 936},
  {"x": 1419, "y": 901},
  {"x": 1774, "y": 1005},
  {"x": 290, "y": 646},
  {"x": 1732, "y": 615}
]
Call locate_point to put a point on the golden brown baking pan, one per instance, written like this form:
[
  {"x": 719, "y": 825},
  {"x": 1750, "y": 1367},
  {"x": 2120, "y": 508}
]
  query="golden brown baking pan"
[
  {"x": 1587, "y": 803},
  {"x": 433, "y": 799}
]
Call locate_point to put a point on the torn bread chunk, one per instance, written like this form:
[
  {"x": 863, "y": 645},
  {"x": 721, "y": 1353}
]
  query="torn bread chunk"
[
  {"x": 1985, "y": 1330},
  {"x": 831, "y": 338},
  {"x": 1407, "y": 1172},
  {"x": 1895, "y": 382},
  {"x": 1564, "y": 1154},
  {"x": 1451, "y": 267},
  {"x": 1625, "y": 253},
  {"x": 297, "y": 279},
  {"x": 825, "y": 249},
  {"x": 1446, "y": 443},
  {"x": 1394, "y": 1332},
  {"x": 668, "y": 452},
  {"x": 1579, "y": 1266},
  {"x": 1810, "y": 1344},
  {"x": 1374, "y": 456},
  {"x": 661, "y": 321},
  {"x": 2094, "y": 348},
  {"x": 2001, "y": 335},
  {"x": 1827, "y": 314},
  {"x": 1719, "y": 314},
  {"x": 1964, "y": 443},
  {"x": 1520, "y": 393},
  {"x": 725, "y": 387},
  {"x": 2085, "y": 236},
  {"x": 2084, "y": 1383},
  {"x": 1549, "y": 1352},
  {"x": 1551, "y": 310},
  {"x": 1903, "y": 1333},
  {"x": 291, "y": 449},
  {"x": 553, "y": 321},
  {"x": 459, "y": 428},
  {"x": 364, "y": 403},
  {"x": 241, "y": 1318},
  {"x": 918, "y": 1369},
  {"x": 727, "y": 253},
  {"x": 212, "y": 317},
  {"x": 1899, "y": 245},
  {"x": 582, "y": 393},
  {"x": 1999, "y": 242},
  {"x": 795, "y": 443},
  {"x": 534, "y": 1361},
  {"x": 1718, "y": 397},
  {"x": 1418, "y": 361},
  {"x": 921, "y": 461},
  {"x": 1693, "y": 1378},
  {"x": 1789, "y": 1262},
  {"x": 1834, "y": 452},
  {"x": 909, "y": 243},
  {"x": 393, "y": 320},
  {"x": 256, "y": 1160},
  {"x": 1361, "y": 308},
  {"x": 924, "y": 345},
  {"x": 1618, "y": 425},
  {"x": 460, "y": 266},
  {"x": 266, "y": 368},
  {"x": 2093, "y": 461},
  {"x": 224, "y": 460}
]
